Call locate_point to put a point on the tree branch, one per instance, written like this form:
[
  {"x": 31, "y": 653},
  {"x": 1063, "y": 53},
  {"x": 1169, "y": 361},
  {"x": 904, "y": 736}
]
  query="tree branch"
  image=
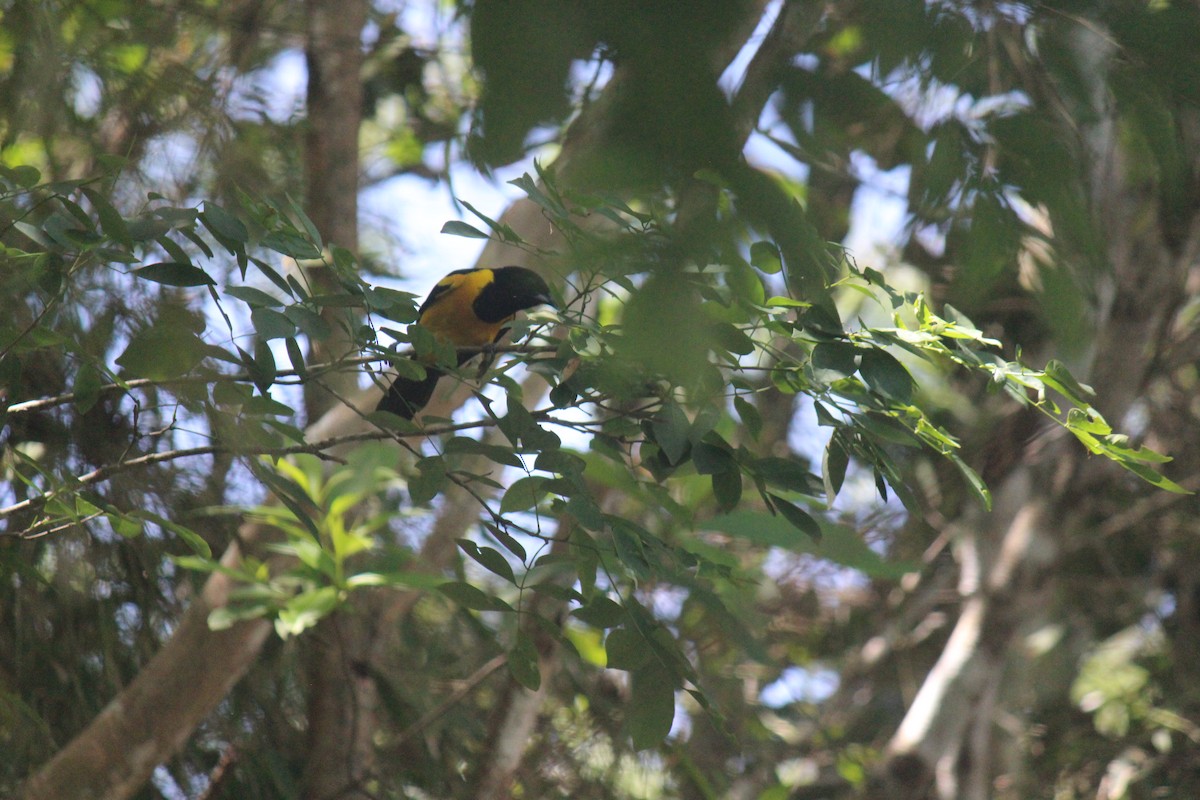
[{"x": 315, "y": 370}]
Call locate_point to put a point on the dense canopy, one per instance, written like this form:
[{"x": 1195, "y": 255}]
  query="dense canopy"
[{"x": 854, "y": 459}]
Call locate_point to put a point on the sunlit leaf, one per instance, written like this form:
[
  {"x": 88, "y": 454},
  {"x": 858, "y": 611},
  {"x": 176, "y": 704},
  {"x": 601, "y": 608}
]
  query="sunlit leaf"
[{"x": 460, "y": 228}]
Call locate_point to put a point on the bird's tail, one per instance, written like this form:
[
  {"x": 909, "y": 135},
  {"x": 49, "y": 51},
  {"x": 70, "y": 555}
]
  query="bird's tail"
[{"x": 405, "y": 397}]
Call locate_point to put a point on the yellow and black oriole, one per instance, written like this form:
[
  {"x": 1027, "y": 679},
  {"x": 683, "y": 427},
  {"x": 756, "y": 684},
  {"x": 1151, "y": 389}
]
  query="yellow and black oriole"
[{"x": 467, "y": 308}]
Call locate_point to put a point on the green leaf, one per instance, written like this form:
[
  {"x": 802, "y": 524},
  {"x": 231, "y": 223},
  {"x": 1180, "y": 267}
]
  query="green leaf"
[
  {"x": 262, "y": 405},
  {"x": 428, "y": 482},
  {"x": 290, "y": 494},
  {"x": 273, "y": 276},
  {"x": 270, "y": 324},
  {"x": 291, "y": 244},
  {"x": 296, "y": 357},
  {"x": 710, "y": 459},
  {"x": 262, "y": 368},
  {"x": 525, "y": 493},
  {"x": 527, "y": 184},
  {"x": 832, "y": 361},
  {"x": 671, "y": 432},
  {"x": 833, "y": 467},
  {"x": 1117, "y": 446},
  {"x": 519, "y": 426},
  {"x": 162, "y": 351},
  {"x": 489, "y": 559},
  {"x": 765, "y": 256},
  {"x": 560, "y": 462},
  {"x": 761, "y": 527},
  {"x": 786, "y": 302},
  {"x": 886, "y": 429},
  {"x": 626, "y": 649},
  {"x": 586, "y": 512},
  {"x": 125, "y": 526},
  {"x": 227, "y": 616},
  {"x": 86, "y": 387},
  {"x": 192, "y": 539},
  {"x": 310, "y": 229},
  {"x": 729, "y": 337},
  {"x": 747, "y": 285},
  {"x": 305, "y": 610},
  {"x": 506, "y": 233},
  {"x": 312, "y": 324},
  {"x": 459, "y": 228},
  {"x": 172, "y": 273},
  {"x": 749, "y": 415},
  {"x": 192, "y": 236},
  {"x": 493, "y": 452},
  {"x": 177, "y": 253},
  {"x": 111, "y": 222},
  {"x": 651, "y": 710},
  {"x": 145, "y": 228},
  {"x": 403, "y": 580},
  {"x": 507, "y": 539},
  {"x": 727, "y": 489},
  {"x": 886, "y": 376},
  {"x": 1088, "y": 421},
  {"x": 1060, "y": 379},
  {"x": 600, "y": 612},
  {"x": 23, "y": 175},
  {"x": 627, "y": 541},
  {"x": 839, "y": 543},
  {"x": 472, "y": 597},
  {"x": 523, "y": 662},
  {"x": 1153, "y": 478},
  {"x": 255, "y": 298},
  {"x": 801, "y": 519},
  {"x": 978, "y": 487},
  {"x": 787, "y": 473}
]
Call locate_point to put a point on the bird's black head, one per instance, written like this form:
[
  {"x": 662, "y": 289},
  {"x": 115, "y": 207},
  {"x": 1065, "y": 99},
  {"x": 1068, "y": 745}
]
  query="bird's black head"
[{"x": 513, "y": 289}]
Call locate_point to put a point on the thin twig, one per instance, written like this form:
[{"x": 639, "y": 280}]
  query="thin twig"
[
  {"x": 318, "y": 449},
  {"x": 245, "y": 377},
  {"x": 462, "y": 690}
]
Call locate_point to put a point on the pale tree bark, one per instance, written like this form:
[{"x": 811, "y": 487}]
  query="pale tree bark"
[
  {"x": 151, "y": 718},
  {"x": 1009, "y": 559},
  {"x": 334, "y": 53},
  {"x": 342, "y": 698}
]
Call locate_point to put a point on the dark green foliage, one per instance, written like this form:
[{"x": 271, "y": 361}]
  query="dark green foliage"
[{"x": 652, "y": 516}]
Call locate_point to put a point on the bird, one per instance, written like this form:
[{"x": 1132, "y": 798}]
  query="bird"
[{"x": 467, "y": 308}]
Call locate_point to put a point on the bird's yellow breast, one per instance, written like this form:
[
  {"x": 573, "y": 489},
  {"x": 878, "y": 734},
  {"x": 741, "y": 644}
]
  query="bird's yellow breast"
[{"x": 449, "y": 314}]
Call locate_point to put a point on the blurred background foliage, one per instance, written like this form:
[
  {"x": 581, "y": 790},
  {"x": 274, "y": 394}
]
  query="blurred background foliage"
[{"x": 1040, "y": 165}]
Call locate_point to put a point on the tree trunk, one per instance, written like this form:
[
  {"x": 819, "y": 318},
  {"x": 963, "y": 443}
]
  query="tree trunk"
[
  {"x": 334, "y": 52},
  {"x": 342, "y": 698},
  {"x": 151, "y": 719}
]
